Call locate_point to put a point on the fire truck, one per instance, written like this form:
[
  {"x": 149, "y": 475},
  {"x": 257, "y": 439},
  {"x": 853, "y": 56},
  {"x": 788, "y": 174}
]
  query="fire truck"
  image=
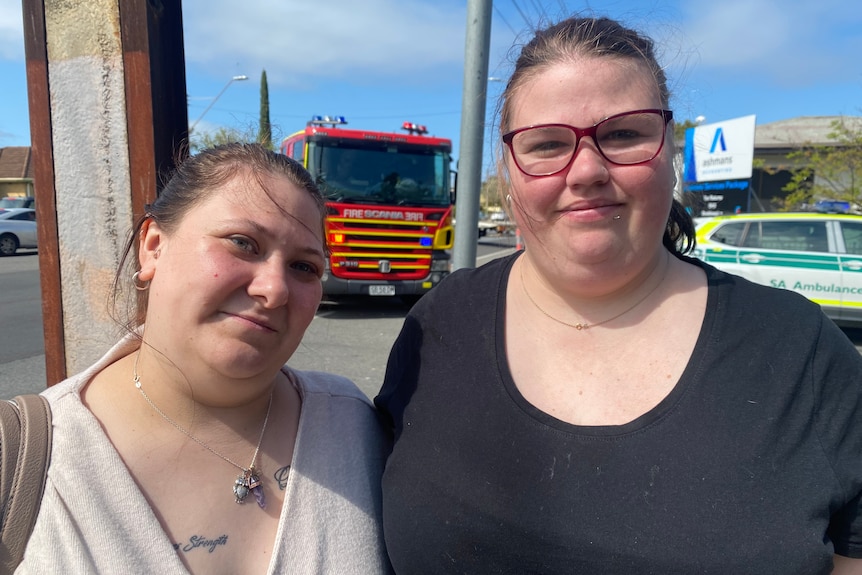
[{"x": 388, "y": 206}]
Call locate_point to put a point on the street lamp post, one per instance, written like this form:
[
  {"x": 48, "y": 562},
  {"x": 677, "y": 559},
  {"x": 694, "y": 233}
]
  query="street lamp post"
[{"x": 229, "y": 82}]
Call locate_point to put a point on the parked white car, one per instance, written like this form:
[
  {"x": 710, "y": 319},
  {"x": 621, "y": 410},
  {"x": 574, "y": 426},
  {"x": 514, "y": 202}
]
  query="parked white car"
[
  {"x": 17, "y": 230},
  {"x": 816, "y": 255}
]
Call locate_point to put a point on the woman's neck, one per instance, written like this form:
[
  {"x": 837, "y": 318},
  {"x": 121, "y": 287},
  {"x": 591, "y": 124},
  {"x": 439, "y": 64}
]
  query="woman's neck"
[{"x": 589, "y": 298}]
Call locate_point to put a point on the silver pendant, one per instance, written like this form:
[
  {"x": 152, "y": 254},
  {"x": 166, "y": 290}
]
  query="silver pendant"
[
  {"x": 249, "y": 481},
  {"x": 240, "y": 488}
]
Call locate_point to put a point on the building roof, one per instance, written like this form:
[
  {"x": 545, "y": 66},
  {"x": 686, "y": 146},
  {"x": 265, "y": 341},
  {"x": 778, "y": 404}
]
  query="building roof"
[
  {"x": 16, "y": 163},
  {"x": 794, "y": 132}
]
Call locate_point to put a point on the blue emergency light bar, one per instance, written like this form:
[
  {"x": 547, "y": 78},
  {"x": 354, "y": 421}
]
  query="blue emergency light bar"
[{"x": 328, "y": 120}]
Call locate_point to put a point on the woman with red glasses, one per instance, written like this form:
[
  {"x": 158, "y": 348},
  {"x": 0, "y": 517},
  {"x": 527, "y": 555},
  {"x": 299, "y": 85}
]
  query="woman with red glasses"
[{"x": 600, "y": 402}]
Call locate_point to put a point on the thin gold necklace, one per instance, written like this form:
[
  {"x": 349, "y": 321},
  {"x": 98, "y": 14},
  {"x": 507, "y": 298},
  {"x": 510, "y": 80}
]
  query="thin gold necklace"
[
  {"x": 249, "y": 479},
  {"x": 582, "y": 326}
]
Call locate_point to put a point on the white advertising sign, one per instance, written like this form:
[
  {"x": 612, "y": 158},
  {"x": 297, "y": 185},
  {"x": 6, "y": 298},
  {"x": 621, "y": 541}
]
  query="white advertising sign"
[{"x": 720, "y": 151}]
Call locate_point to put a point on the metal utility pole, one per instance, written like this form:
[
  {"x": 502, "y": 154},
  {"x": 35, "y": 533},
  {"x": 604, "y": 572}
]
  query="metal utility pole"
[{"x": 472, "y": 132}]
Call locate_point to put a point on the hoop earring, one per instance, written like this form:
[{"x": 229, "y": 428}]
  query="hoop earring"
[
  {"x": 509, "y": 200},
  {"x": 136, "y": 281}
]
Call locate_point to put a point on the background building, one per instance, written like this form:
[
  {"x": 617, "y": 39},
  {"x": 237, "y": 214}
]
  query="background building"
[
  {"x": 16, "y": 172},
  {"x": 774, "y": 141}
]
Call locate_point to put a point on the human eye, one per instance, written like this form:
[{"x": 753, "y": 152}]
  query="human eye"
[
  {"x": 243, "y": 244},
  {"x": 629, "y": 129},
  {"x": 620, "y": 135},
  {"x": 305, "y": 267},
  {"x": 312, "y": 269},
  {"x": 544, "y": 142}
]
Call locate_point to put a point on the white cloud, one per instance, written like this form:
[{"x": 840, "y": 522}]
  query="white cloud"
[
  {"x": 299, "y": 41},
  {"x": 789, "y": 42},
  {"x": 11, "y": 30}
]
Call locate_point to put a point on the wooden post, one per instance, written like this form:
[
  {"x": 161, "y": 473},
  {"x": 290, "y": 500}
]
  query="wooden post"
[{"x": 104, "y": 123}]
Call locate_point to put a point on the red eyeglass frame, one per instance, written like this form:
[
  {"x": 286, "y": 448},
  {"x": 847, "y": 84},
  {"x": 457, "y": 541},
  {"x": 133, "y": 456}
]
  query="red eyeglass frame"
[{"x": 581, "y": 133}]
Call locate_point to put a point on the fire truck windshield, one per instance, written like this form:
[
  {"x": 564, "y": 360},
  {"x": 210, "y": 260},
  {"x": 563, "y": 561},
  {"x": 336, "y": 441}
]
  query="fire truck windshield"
[{"x": 380, "y": 173}]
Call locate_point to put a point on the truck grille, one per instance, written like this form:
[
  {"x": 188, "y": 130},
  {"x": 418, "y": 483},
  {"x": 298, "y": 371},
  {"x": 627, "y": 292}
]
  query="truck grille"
[{"x": 364, "y": 249}]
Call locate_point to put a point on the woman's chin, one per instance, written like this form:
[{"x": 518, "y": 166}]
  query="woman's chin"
[{"x": 244, "y": 364}]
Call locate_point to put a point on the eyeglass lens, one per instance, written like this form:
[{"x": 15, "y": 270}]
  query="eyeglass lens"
[{"x": 624, "y": 139}]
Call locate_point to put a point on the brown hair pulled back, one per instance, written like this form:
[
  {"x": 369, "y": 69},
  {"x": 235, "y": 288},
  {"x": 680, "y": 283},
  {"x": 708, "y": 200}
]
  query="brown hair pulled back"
[{"x": 603, "y": 38}]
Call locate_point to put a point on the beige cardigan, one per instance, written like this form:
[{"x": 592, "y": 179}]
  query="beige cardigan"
[{"x": 94, "y": 519}]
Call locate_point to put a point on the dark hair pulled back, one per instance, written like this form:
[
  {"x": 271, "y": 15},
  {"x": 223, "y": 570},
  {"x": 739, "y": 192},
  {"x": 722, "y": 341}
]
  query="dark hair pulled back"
[{"x": 190, "y": 184}]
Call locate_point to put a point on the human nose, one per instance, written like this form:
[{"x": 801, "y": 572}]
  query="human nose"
[
  {"x": 587, "y": 165},
  {"x": 270, "y": 284}
]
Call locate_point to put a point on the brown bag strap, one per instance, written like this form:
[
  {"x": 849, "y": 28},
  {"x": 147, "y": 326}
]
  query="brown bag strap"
[{"x": 25, "y": 450}]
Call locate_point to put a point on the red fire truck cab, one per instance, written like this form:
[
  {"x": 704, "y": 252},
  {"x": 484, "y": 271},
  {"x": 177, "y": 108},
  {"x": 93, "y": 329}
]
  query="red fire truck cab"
[{"x": 388, "y": 202}]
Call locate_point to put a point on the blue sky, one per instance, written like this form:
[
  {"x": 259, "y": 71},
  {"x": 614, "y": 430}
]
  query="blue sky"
[{"x": 396, "y": 60}]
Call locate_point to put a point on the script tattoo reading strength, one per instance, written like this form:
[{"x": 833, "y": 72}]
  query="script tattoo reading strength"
[
  {"x": 281, "y": 477},
  {"x": 199, "y": 541}
]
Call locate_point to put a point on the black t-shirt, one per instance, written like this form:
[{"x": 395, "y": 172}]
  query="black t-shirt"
[{"x": 752, "y": 464}]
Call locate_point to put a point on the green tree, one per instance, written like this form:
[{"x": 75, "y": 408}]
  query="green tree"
[
  {"x": 489, "y": 193},
  {"x": 830, "y": 171},
  {"x": 679, "y": 129},
  {"x": 264, "y": 134},
  {"x": 203, "y": 140}
]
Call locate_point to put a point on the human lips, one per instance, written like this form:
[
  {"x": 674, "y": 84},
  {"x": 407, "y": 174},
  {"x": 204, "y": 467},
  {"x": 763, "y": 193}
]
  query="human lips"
[
  {"x": 592, "y": 210},
  {"x": 255, "y": 320}
]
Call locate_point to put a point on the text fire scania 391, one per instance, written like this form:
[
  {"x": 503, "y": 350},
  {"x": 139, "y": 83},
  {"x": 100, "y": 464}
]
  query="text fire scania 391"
[{"x": 388, "y": 205}]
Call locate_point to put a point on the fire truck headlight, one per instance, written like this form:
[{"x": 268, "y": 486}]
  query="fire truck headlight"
[{"x": 440, "y": 265}]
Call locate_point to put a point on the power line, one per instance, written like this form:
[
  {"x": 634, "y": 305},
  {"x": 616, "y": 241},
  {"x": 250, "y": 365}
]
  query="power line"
[
  {"x": 524, "y": 16},
  {"x": 542, "y": 14},
  {"x": 506, "y": 22}
]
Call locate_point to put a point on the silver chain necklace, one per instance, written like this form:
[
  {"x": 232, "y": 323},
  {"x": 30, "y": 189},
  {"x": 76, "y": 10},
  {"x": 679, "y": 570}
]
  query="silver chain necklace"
[
  {"x": 582, "y": 326},
  {"x": 248, "y": 481}
]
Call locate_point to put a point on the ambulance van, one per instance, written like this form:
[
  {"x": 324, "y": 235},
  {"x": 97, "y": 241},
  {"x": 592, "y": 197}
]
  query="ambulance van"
[{"x": 816, "y": 255}]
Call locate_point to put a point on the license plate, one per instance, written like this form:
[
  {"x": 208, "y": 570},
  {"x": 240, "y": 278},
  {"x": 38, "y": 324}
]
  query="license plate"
[{"x": 381, "y": 290}]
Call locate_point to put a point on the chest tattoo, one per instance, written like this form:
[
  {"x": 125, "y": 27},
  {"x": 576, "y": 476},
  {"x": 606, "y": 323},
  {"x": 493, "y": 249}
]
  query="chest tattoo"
[
  {"x": 281, "y": 476},
  {"x": 201, "y": 542}
]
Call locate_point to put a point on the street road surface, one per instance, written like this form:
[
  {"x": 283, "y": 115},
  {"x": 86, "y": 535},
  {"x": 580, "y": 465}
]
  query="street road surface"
[
  {"x": 22, "y": 355},
  {"x": 351, "y": 338}
]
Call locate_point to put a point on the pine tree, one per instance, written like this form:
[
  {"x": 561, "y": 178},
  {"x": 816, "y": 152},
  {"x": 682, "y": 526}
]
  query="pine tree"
[{"x": 265, "y": 132}]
